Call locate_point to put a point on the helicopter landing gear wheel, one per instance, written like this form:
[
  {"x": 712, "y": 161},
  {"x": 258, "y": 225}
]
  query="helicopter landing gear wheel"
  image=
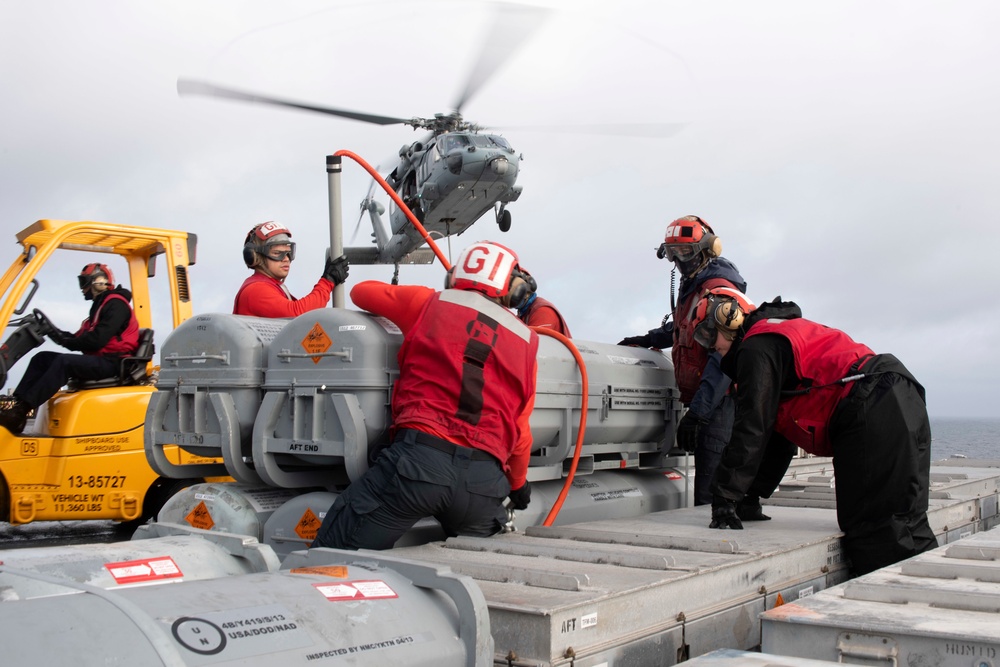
[{"x": 503, "y": 221}]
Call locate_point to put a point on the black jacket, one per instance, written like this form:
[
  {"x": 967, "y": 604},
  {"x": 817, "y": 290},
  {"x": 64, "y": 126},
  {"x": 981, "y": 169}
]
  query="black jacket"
[
  {"x": 762, "y": 367},
  {"x": 114, "y": 318}
]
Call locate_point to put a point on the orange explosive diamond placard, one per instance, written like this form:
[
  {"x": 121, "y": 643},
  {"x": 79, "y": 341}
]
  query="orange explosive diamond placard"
[
  {"x": 308, "y": 525},
  {"x": 200, "y": 517},
  {"x": 316, "y": 341}
]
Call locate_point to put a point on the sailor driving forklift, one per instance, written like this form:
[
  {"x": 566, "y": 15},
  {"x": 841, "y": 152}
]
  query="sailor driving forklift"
[{"x": 109, "y": 333}]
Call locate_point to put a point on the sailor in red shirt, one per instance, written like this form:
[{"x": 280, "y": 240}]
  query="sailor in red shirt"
[
  {"x": 460, "y": 408},
  {"x": 269, "y": 251},
  {"x": 538, "y": 312}
]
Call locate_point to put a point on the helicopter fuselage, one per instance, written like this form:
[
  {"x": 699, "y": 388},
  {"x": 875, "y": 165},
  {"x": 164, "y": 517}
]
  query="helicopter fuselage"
[{"x": 449, "y": 182}]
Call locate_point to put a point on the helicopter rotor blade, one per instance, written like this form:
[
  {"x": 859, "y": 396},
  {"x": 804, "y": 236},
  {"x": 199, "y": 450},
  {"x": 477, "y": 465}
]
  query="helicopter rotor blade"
[
  {"x": 513, "y": 26},
  {"x": 194, "y": 87},
  {"x": 364, "y": 205},
  {"x": 644, "y": 130}
]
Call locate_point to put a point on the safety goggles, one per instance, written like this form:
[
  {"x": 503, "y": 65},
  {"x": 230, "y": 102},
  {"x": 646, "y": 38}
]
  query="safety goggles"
[
  {"x": 87, "y": 281},
  {"x": 705, "y": 334},
  {"x": 280, "y": 255},
  {"x": 678, "y": 253}
]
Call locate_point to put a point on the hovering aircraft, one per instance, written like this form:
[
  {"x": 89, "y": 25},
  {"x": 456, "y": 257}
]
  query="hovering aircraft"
[
  {"x": 452, "y": 176},
  {"x": 456, "y": 173}
]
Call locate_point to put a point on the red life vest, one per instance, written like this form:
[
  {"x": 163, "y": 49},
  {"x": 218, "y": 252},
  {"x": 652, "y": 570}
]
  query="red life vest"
[
  {"x": 124, "y": 343},
  {"x": 466, "y": 367},
  {"x": 822, "y": 357},
  {"x": 688, "y": 355},
  {"x": 541, "y": 313}
]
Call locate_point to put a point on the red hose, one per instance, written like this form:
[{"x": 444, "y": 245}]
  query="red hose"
[
  {"x": 399, "y": 202},
  {"x": 584, "y": 391}
]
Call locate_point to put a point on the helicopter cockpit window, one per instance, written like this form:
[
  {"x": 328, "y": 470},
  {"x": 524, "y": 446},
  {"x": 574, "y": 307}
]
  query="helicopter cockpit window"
[
  {"x": 450, "y": 142},
  {"x": 501, "y": 142}
]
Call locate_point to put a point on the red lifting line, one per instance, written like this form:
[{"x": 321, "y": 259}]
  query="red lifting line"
[{"x": 584, "y": 385}]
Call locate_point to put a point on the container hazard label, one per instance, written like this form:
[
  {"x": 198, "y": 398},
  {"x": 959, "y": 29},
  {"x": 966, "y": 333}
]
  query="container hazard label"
[
  {"x": 356, "y": 590},
  {"x": 336, "y": 571},
  {"x": 316, "y": 341},
  {"x": 200, "y": 517},
  {"x": 146, "y": 569},
  {"x": 308, "y": 525}
]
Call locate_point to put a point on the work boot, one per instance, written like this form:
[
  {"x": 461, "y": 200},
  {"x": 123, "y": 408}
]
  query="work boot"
[
  {"x": 749, "y": 509},
  {"x": 15, "y": 416}
]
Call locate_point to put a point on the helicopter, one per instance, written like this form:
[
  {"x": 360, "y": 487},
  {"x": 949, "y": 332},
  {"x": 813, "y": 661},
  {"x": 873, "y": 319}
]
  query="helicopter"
[
  {"x": 452, "y": 176},
  {"x": 459, "y": 170}
]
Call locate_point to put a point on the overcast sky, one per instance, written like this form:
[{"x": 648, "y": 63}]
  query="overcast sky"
[{"x": 845, "y": 152}]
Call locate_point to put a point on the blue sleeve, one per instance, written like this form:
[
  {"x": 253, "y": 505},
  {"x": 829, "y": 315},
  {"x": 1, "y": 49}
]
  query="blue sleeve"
[{"x": 712, "y": 388}]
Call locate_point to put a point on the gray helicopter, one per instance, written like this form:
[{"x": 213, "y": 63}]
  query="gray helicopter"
[
  {"x": 455, "y": 174},
  {"x": 450, "y": 178}
]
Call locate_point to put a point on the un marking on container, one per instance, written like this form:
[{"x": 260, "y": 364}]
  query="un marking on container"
[{"x": 239, "y": 633}]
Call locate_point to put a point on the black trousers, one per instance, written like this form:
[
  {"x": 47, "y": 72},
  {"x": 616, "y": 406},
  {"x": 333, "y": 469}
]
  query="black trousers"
[
  {"x": 881, "y": 440},
  {"x": 462, "y": 488},
  {"x": 48, "y": 371}
]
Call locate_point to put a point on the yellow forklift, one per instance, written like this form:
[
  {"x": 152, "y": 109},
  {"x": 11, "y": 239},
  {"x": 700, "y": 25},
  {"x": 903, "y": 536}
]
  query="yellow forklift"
[{"x": 82, "y": 455}]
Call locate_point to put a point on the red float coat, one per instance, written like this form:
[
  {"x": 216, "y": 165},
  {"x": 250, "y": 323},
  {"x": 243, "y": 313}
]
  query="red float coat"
[
  {"x": 541, "y": 313},
  {"x": 688, "y": 355},
  {"x": 261, "y": 295},
  {"x": 120, "y": 345},
  {"x": 823, "y": 356},
  {"x": 467, "y": 369}
]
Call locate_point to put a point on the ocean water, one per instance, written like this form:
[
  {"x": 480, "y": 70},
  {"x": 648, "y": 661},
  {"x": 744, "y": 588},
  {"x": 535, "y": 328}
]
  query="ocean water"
[{"x": 972, "y": 438}]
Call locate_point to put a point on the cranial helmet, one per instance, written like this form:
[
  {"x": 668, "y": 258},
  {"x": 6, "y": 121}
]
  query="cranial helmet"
[
  {"x": 261, "y": 238},
  {"x": 95, "y": 278},
  {"x": 722, "y": 309},
  {"x": 492, "y": 270},
  {"x": 689, "y": 243}
]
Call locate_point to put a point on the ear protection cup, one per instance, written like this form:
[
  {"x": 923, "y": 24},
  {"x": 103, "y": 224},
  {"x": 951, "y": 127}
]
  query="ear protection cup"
[
  {"x": 710, "y": 242},
  {"x": 249, "y": 256},
  {"x": 449, "y": 278},
  {"x": 729, "y": 316},
  {"x": 713, "y": 245},
  {"x": 522, "y": 286}
]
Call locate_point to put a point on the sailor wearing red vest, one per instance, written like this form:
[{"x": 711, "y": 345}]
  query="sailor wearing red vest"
[
  {"x": 109, "y": 333},
  {"x": 802, "y": 384},
  {"x": 704, "y": 430},
  {"x": 535, "y": 311},
  {"x": 269, "y": 251},
  {"x": 460, "y": 408}
]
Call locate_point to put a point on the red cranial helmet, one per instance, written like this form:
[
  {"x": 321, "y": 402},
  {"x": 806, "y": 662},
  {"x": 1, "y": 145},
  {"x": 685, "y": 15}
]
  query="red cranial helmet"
[
  {"x": 262, "y": 237},
  {"x": 722, "y": 309},
  {"x": 94, "y": 279},
  {"x": 689, "y": 243}
]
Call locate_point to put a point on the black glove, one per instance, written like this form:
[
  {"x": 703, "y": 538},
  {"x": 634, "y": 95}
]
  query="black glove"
[
  {"x": 60, "y": 337},
  {"x": 336, "y": 270},
  {"x": 724, "y": 514},
  {"x": 519, "y": 498},
  {"x": 637, "y": 341},
  {"x": 749, "y": 509},
  {"x": 687, "y": 431}
]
